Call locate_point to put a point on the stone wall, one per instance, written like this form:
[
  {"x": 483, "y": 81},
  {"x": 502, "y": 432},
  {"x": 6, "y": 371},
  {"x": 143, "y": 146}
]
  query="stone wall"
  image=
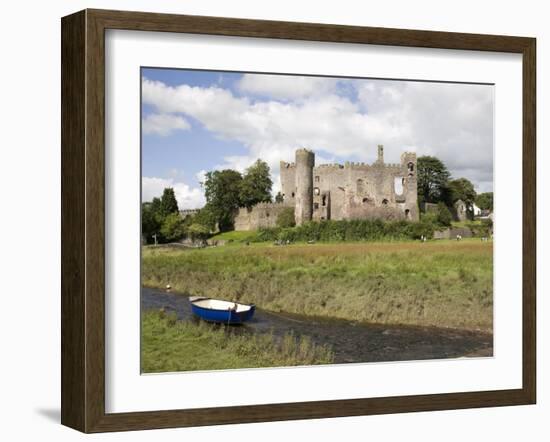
[
  {"x": 352, "y": 190},
  {"x": 451, "y": 233},
  {"x": 460, "y": 211},
  {"x": 262, "y": 215},
  {"x": 338, "y": 192}
]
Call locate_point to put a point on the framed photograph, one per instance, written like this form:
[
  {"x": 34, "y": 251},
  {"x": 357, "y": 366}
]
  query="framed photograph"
[{"x": 267, "y": 220}]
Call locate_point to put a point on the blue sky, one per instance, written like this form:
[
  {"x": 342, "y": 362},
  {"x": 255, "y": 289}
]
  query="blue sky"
[{"x": 196, "y": 121}]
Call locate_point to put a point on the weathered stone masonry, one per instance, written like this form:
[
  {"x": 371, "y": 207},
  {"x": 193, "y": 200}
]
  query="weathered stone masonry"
[{"x": 335, "y": 191}]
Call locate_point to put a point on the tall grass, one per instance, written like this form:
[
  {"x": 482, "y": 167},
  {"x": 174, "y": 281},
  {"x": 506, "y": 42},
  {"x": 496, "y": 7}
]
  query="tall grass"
[
  {"x": 444, "y": 283},
  {"x": 170, "y": 345}
]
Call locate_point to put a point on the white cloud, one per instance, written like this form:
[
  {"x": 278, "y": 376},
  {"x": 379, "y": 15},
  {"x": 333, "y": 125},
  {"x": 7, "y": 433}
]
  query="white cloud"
[
  {"x": 451, "y": 121},
  {"x": 284, "y": 86},
  {"x": 188, "y": 197},
  {"x": 201, "y": 176},
  {"x": 164, "y": 124}
]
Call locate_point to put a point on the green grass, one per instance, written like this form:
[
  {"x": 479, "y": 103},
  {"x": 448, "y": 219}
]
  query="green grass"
[
  {"x": 474, "y": 223},
  {"x": 170, "y": 345},
  {"x": 234, "y": 235},
  {"x": 438, "y": 283}
]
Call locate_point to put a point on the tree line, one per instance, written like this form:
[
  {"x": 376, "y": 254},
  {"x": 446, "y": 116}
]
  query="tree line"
[
  {"x": 436, "y": 186},
  {"x": 227, "y": 190}
]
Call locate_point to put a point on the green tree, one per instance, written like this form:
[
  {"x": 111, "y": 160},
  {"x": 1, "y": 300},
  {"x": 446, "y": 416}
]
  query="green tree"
[
  {"x": 149, "y": 221},
  {"x": 433, "y": 178},
  {"x": 173, "y": 227},
  {"x": 461, "y": 189},
  {"x": 222, "y": 190},
  {"x": 205, "y": 218},
  {"x": 168, "y": 202},
  {"x": 279, "y": 197},
  {"x": 198, "y": 231},
  {"x": 156, "y": 208},
  {"x": 485, "y": 201},
  {"x": 444, "y": 216},
  {"x": 286, "y": 218},
  {"x": 256, "y": 185}
]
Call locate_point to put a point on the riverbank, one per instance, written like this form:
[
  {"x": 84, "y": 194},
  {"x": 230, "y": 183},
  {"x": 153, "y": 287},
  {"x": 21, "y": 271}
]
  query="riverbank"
[
  {"x": 349, "y": 341},
  {"x": 169, "y": 345},
  {"x": 439, "y": 283}
]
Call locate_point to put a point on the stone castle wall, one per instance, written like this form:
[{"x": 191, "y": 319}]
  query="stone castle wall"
[
  {"x": 334, "y": 191},
  {"x": 260, "y": 216}
]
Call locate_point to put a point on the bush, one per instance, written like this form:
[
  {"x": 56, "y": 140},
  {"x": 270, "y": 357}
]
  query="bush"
[
  {"x": 267, "y": 235},
  {"x": 198, "y": 231},
  {"x": 352, "y": 230},
  {"x": 444, "y": 216},
  {"x": 482, "y": 229},
  {"x": 173, "y": 227},
  {"x": 286, "y": 218}
]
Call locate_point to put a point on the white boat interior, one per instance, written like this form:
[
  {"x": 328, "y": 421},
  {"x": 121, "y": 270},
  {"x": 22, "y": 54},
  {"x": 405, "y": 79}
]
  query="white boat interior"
[{"x": 217, "y": 304}]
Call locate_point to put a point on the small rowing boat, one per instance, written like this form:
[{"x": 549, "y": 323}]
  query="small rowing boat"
[{"x": 216, "y": 310}]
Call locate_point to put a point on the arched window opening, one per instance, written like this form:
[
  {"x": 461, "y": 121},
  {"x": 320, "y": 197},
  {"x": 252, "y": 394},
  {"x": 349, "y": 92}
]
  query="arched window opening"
[
  {"x": 398, "y": 185},
  {"x": 385, "y": 202}
]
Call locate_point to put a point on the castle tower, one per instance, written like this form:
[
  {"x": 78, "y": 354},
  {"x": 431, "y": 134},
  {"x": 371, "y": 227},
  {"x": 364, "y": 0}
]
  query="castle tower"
[
  {"x": 408, "y": 163},
  {"x": 305, "y": 160},
  {"x": 380, "y": 153}
]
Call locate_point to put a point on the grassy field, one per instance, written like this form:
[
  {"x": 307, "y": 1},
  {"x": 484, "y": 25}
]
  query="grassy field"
[
  {"x": 170, "y": 345},
  {"x": 438, "y": 283},
  {"x": 234, "y": 235}
]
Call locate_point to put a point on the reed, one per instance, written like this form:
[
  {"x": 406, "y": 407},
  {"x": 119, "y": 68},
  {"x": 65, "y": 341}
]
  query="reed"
[
  {"x": 169, "y": 345},
  {"x": 438, "y": 283}
]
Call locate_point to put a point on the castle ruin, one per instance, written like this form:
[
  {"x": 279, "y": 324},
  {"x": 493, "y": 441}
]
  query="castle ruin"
[{"x": 334, "y": 191}]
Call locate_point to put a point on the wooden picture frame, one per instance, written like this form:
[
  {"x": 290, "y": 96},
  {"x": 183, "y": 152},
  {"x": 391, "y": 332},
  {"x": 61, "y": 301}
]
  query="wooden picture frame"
[{"x": 83, "y": 220}]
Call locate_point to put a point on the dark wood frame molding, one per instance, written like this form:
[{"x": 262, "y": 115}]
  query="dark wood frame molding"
[{"x": 83, "y": 215}]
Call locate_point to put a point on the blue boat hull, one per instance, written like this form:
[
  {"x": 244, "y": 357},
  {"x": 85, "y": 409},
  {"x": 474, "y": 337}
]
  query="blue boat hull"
[{"x": 223, "y": 316}]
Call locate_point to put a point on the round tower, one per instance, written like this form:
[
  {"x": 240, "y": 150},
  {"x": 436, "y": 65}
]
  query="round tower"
[
  {"x": 408, "y": 164},
  {"x": 305, "y": 160}
]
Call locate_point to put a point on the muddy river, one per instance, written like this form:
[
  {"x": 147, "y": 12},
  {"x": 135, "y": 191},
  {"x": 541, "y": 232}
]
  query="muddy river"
[{"x": 350, "y": 341}]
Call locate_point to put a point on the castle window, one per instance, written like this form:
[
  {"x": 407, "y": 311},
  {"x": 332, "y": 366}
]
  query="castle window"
[
  {"x": 366, "y": 200},
  {"x": 316, "y": 191},
  {"x": 385, "y": 202},
  {"x": 292, "y": 194},
  {"x": 317, "y": 178},
  {"x": 316, "y": 206},
  {"x": 410, "y": 166},
  {"x": 407, "y": 214},
  {"x": 324, "y": 200},
  {"x": 398, "y": 185}
]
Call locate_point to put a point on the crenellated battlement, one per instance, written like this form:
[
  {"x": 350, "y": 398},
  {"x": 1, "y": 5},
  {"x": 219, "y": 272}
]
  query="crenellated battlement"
[
  {"x": 329, "y": 166},
  {"x": 365, "y": 166},
  {"x": 285, "y": 165},
  {"x": 353, "y": 190}
]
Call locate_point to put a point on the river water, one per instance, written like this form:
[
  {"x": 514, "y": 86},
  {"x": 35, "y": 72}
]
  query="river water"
[{"x": 350, "y": 341}]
